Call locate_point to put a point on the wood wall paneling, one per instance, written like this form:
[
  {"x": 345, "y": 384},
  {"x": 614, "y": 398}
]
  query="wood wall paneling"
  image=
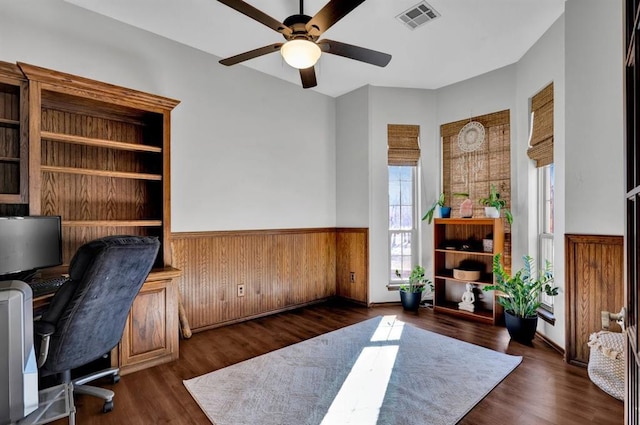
[
  {"x": 352, "y": 256},
  {"x": 594, "y": 283},
  {"x": 280, "y": 269}
]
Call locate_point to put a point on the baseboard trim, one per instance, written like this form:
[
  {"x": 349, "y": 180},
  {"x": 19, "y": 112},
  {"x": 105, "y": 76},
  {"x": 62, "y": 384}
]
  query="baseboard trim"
[
  {"x": 259, "y": 315},
  {"x": 551, "y": 344}
]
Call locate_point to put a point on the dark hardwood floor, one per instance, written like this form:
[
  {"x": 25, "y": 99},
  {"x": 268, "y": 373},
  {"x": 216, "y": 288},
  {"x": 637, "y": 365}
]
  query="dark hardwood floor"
[{"x": 542, "y": 390}]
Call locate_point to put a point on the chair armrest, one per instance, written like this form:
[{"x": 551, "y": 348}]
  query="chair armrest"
[{"x": 44, "y": 330}]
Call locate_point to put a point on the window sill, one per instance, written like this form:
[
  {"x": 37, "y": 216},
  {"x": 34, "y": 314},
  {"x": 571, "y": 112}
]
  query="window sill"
[{"x": 547, "y": 316}]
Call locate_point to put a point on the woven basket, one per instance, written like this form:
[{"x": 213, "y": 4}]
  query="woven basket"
[{"x": 606, "y": 362}]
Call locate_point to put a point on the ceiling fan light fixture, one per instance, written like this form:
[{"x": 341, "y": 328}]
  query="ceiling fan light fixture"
[{"x": 301, "y": 54}]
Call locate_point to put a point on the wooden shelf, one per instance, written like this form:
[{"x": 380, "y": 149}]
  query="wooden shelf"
[
  {"x": 8, "y": 122},
  {"x": 102, "y": 143},
  {"x": 449, "y": 290},
  {"x": 94, "y": 150},
  {"x": 9, "y": 159},
  {"x": 479, "y": 315},
  {"x": 101, "y": 173},
  {"x": 112, "y": 223},
  {"x": 455, "y": 251},
  {"x": 446, "y": 274}
]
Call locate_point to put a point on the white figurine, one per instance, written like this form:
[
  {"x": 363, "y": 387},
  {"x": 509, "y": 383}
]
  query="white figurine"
[{"x": 467, "y": 299}]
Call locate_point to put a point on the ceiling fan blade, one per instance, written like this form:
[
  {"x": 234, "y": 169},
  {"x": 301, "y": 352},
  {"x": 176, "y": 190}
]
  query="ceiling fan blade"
[
  {"x": 261, "y": 51},
  {"x": 355, "y": 52},
  {"x": 308, "y": 76},
  {"x": 258, "y": 15},
  {"x": 331, "y": 13}
]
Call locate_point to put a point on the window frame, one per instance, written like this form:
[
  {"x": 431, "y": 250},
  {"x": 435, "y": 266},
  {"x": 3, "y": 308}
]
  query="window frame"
[
  {"x": 395, "y": 282},
  {"x": 545, "y": 230}
]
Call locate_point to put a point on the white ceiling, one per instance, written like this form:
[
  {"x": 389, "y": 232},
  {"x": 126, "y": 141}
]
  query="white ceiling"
[{"x": 470, "y": 37}]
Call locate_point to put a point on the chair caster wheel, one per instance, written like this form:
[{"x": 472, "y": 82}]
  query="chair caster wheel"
[
  {"x": 115, "y": 379},
  {"x": 108, "y": 406}
]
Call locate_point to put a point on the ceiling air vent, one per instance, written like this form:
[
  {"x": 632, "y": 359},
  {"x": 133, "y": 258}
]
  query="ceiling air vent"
[{"x": 418, "y": 15}]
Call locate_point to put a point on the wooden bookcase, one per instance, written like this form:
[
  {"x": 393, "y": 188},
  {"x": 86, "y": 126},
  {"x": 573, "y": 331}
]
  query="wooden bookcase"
[
  {"x": 450, "y": 237},
  {"x": 99, "y": 157},
  {"x": 14, "y": 139}
]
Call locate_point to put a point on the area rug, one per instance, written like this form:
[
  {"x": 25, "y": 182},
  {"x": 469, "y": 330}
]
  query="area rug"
[{"x": 380, "y": 371}]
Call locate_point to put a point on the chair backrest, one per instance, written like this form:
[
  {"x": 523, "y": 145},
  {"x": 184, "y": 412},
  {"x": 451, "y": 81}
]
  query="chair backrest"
[{"x": 89, "y": 312}]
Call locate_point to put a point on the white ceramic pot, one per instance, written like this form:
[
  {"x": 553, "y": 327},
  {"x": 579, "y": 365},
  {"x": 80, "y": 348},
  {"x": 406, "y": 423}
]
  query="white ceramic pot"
[{"x": 491, "y": 212}]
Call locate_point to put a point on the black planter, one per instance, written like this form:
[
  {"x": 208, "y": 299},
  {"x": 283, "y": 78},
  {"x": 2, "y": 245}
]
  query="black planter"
[
  {"x": 521, "y": 329},
  {"x": 410, "y": 300}
]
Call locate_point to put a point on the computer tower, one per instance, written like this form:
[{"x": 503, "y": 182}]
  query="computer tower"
[{"x": 18, "y": 368}]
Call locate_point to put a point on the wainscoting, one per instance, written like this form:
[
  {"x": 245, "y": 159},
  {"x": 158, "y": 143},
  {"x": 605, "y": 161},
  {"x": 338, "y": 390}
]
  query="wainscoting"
[
  {"x": 595, "y": 282},
  {"x": 280, "y": 270}
]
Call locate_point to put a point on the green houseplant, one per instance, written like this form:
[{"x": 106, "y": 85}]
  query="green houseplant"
[
  {"x": 411, "y": 290},
  {"x": 494, "y": 201},
  {"x": 521, "y": 297},
  {"x": 440, "y": 202}
]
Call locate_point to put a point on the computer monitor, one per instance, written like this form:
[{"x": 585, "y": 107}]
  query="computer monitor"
[{"x": 29, "y": 243}]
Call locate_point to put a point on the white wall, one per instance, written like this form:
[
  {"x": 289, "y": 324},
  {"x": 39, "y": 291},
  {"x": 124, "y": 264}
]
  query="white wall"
[
  {"x": 352, "y": 159},
  {"x": 541, "y": 65},
  {"x": 249, "y": 151},
  {"x": 594, "y": 117},
  {"x": 397, "y": 106}
]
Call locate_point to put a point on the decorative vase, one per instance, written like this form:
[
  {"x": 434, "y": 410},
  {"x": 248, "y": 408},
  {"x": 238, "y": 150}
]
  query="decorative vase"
[
  {"x": 521, "y": 329},
  {"x": 445, "y": 212},
  {"x": 491, "y": 212},
  {"x": 410, "y": 300}
]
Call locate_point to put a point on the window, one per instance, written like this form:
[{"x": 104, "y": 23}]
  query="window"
[
  {"x": 402, "y": 221},
  {"x": 545, "y": 223}
]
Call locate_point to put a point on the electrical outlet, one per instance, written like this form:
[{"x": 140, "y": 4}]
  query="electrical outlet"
[
  {"x": 352, "y": 277},
  {"x": 241, "y": 290}
]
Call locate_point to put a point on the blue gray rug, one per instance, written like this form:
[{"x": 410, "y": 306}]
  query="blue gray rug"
[{"x": 380, "y": 371}]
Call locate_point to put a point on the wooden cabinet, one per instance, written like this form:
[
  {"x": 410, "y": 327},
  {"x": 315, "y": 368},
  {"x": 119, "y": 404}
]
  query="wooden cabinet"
[
  {"x": 150, "y": 336},
  {"x": 457, "y": 240},
  {"x": 14, "y": 134},
  {"x": 99, "y": 158}
]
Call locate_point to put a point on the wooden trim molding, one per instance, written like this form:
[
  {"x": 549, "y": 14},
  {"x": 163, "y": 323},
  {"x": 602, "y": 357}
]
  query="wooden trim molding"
[{"x": 85, "y": 87}]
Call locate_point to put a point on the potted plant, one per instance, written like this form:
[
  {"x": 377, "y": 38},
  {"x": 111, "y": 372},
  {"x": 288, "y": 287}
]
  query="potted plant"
[
  {"x": 445, "y": 211},
  {"x": 493, "y": 204},
  {"x": 411, "y": 291},
  {"x": 521, "y": 296},
  {"x": 439, "y": 203}
]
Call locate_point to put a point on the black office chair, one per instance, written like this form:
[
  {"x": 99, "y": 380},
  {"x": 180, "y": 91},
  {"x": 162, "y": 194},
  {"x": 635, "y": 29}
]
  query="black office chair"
[{"x": 86, "y": 317}]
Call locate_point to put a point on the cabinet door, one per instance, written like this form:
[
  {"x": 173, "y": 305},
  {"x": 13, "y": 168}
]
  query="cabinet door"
[{"x": 151, "y": 334}]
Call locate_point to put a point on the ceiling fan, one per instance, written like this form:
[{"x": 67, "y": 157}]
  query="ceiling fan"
[{"x": 302, "y": 48}]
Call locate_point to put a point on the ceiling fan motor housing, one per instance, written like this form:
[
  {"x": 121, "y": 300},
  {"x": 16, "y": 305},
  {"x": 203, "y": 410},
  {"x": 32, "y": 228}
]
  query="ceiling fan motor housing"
[{"x": 298, "y": 25}]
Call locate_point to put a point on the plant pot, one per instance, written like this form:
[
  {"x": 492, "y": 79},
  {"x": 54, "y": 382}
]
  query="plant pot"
[
  {"x": 521, "y": 329},
  {"x": 491, "y": 212},
  {"x": 445, "y": 212},
  {"x": 410, "y": 300}
]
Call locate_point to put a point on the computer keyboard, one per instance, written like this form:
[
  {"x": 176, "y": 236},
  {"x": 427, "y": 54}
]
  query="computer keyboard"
[{"x": 48, "y": 286}]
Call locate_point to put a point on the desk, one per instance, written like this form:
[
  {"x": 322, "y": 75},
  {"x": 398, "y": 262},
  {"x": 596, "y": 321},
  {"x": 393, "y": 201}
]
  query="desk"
[{"x": 150, "y": 335}]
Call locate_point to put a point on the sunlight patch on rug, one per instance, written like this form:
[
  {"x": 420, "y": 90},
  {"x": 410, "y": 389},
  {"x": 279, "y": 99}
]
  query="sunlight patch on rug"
[{"x": 381, "y": 371}]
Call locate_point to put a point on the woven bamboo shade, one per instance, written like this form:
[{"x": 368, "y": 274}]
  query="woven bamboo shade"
[
  {"x": 474, "y": 172},
  {"x": 541, "y": 142},
  {"x": 403, "y": 145}
]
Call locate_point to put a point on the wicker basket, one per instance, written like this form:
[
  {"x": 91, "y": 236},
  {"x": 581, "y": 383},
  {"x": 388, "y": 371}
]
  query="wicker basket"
[{"x": 606, "y": 362}]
